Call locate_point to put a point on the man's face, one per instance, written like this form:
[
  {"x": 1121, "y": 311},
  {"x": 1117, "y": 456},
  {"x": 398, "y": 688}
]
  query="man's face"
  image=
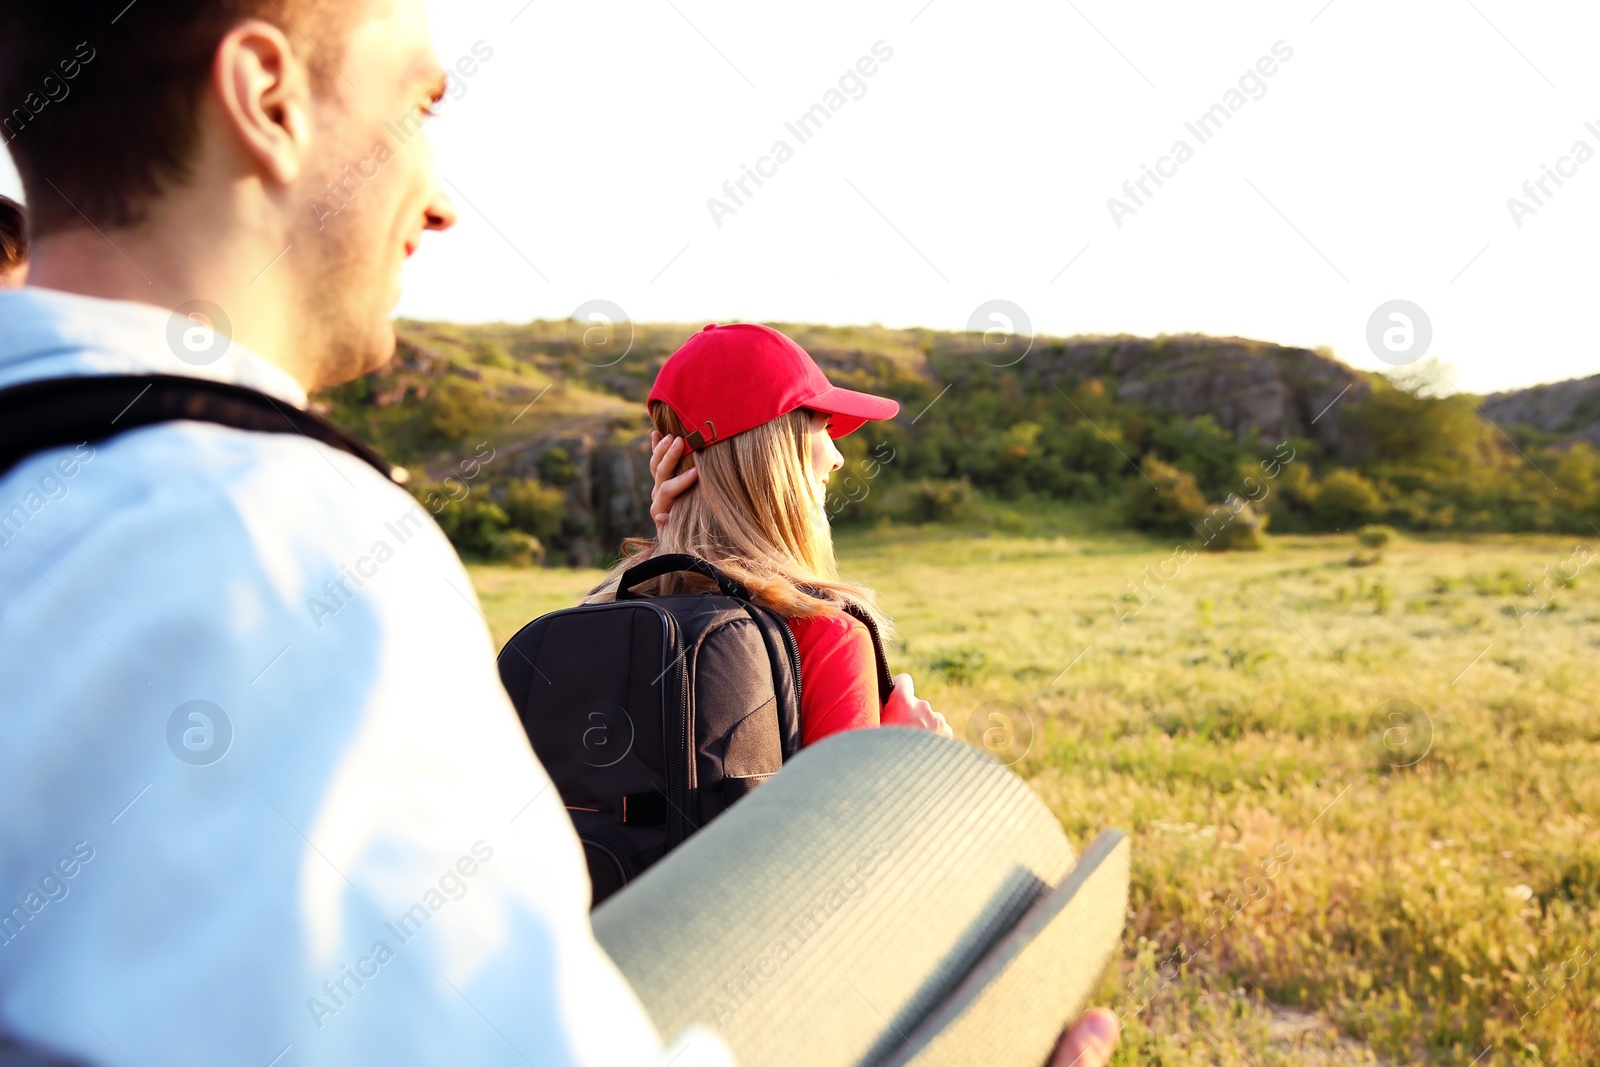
[{"x": 370, "y": 189}]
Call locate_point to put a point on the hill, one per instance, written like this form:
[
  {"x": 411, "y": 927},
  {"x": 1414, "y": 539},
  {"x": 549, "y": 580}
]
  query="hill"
[
  {"x": 530, "y": 441},
  {"x": 1566, "y": 412}
]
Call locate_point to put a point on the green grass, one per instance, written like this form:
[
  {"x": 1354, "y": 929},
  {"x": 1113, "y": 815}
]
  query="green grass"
[{"x": 1310, "y": 872}]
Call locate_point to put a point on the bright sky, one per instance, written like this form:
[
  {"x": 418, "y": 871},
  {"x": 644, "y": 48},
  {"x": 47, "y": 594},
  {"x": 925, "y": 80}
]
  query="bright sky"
[{"x": 978, "y": 163}]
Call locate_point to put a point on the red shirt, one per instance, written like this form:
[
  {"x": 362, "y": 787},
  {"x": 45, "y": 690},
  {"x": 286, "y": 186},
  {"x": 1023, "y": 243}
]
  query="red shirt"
[{"x": 838, "y": 675}]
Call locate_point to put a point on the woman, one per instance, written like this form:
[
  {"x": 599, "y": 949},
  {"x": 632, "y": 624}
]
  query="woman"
[{"x": 746, "y": 417}]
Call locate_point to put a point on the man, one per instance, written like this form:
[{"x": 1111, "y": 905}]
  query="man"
[
  {"x": 263, "y": 796},
  {"x": 13, "y": 244}
]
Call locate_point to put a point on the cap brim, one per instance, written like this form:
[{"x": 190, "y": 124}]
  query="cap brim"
[{"x": 852, "y": 409}]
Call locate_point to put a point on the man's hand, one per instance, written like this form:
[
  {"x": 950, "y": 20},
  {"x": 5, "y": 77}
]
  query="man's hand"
[
  {"x": 1089, "y": 1042},
  {"x": 665, "y": 452}
]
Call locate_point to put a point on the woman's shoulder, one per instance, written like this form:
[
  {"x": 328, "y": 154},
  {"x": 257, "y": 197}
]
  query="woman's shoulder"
[{"x": 828, "y": 628}]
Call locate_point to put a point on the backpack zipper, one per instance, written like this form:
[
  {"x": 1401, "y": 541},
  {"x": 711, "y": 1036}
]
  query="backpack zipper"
[
  {"x": 680, "y": 761},
  {"x": 793, "y": 646},
  {"x": 690, "y": 748}
]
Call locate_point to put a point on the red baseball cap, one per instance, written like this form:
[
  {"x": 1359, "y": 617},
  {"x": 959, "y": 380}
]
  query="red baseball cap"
[{"x": 725, "y": 380}]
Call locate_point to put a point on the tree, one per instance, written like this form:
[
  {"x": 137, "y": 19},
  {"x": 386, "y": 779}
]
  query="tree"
[
  {"x": 1164, "y": 499},
  {"x": 1345, "y": 498}
]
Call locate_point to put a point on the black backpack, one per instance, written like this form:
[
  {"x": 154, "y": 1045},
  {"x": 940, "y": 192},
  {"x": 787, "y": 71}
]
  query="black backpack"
[{"x": 654, "y": 714}]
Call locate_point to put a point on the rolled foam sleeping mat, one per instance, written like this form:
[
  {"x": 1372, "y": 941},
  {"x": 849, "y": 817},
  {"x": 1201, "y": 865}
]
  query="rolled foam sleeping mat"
[{"x": 889, "y": 895}]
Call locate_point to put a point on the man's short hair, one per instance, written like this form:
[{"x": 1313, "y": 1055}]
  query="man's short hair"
[
  {"x": 99, "y": 101},
  {"x": 13, "y": 235}
]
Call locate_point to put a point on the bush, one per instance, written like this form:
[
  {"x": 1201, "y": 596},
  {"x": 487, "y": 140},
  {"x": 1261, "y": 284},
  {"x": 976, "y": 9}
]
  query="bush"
[
  {"x": 1345, "y": 498},
  {"x": 1376, "y": 538},
  {"x": 517, "y": 549},
  {"x": 556, "y": 466},
  {"x": 1245, "y": 531},
  {"x": 938, "y": 499},
  {"x": 458, "y": 410},
  {"x": 473, "y": 525},
  {"x": 1200, "y": 446},
  {"x": 535, "y": 508},
  {"x": 1166, "y": 499},
  {"x": 490, "y": 354}
]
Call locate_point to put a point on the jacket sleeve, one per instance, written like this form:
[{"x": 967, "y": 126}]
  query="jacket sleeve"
[{"x": 838, "y": 676}]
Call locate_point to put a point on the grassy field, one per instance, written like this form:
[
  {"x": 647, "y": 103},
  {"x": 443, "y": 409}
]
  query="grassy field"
[{"x": 1362, "y": 798}]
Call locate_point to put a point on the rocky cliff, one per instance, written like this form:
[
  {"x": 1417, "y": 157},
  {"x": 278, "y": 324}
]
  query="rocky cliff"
[
  {"x": 607, "y": 486},
  {"x": 1567, "y": 411},
  {"x": 1246, "y": 386}
]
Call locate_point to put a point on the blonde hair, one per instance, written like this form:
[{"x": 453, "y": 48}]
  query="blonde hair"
[{"x": 755, "y": 514}]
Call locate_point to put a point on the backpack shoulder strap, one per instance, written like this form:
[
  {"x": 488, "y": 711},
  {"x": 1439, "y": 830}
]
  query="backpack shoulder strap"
[
  {"x": 885, "y": 683},
  {"x": 55, "y": 412},
  {"x": 850, "y": 607}
]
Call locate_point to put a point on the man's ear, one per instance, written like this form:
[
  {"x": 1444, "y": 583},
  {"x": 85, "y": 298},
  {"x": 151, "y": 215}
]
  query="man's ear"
[{"x": 264, "y": 90}]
